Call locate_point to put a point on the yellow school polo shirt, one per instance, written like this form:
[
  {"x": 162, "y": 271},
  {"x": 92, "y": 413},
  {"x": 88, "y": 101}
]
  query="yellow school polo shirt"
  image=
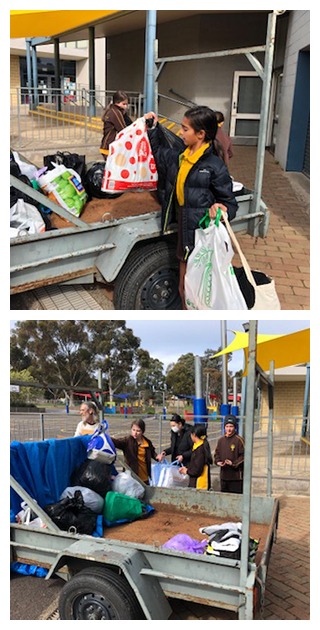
[{"x": 187, "y": 163}]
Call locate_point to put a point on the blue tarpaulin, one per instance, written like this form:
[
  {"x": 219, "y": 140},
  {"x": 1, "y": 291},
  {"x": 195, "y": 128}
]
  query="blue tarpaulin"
[{"x": 43, "y": 469}]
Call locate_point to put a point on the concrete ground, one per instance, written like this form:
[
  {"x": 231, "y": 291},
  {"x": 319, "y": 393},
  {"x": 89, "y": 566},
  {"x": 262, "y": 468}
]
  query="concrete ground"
[
  {"x": 283, "y": 254},
  {"x": 287, "y": 595}
]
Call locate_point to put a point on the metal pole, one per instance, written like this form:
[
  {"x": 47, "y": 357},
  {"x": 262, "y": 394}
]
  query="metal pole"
[
  {"x": 151, "y": 27},
  {"x": 224, "y": 344},
  {"x": 264, "y": 113},
  {"x": 250, "y": 407},
  {"x": 101, "y": 414},
  {"x": 197, "y": 376},
  {"x": 29, "y": 70},
  {"x": 306, "y": 402},
  {"x": 35, "y": 76},
  {"x": 92, "y": 105},
  {"x": 270, "y": 431},
  {"x": 42, "y": 427},
  {"x": 57, "y": 73}
]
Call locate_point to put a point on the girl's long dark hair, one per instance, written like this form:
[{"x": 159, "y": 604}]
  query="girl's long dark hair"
[
  {"x": 203, "y": 118},
  {"x": 118, "y": 97},
  {"x": 200, "y": 431}
]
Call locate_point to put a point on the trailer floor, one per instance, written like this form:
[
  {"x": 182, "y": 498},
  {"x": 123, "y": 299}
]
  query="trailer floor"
[{"x": 166, "y": 522}]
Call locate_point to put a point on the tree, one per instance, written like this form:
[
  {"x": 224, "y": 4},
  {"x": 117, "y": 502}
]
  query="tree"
[
  {"x": 21, "y": 398},
  {"x": 180, "y": 376},
  {"x": 150, "y": 377},
  {"x": 116, "y": 351},
  {"x": 57, "y": 352}
]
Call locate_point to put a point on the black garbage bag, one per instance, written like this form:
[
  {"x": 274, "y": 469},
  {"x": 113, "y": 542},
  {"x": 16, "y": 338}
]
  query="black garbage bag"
[
  {"x": 69, "y": 160},
  {"x": 92, "y": 182},
  {"x": 71, "y": 512},
  {"x": 94, "y": 475},
  {"x": 170, "y": 139}
]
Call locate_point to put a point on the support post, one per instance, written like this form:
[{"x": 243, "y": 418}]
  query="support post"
[
  {"x": 92, "y": 82},
  {"x": 101, "y": 415},
  {"x": 246, "y": 497},
  {"x": 29, "y": 70},
  {"x": 35, "y": 76},
  {"x": 224, "y": 363},
  {"x": 306, "y": 402},
  {"x": 270, "y": 430},
  {"x": 151, "y": 26},
  {"x": 57, "y": 73},
  {"x": 264, "y": 113},
  {"x": 199, "y": 403}
]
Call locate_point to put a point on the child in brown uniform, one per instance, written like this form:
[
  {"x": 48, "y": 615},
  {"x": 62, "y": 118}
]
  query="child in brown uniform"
[
  {"x": 229, "y": 455},
  {"x": 115, "y": 118},
  {"x": 201, "y": 458}
]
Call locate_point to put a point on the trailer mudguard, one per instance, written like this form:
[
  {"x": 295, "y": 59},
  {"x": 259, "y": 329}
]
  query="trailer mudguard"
[{"x": 130, "y": 561}]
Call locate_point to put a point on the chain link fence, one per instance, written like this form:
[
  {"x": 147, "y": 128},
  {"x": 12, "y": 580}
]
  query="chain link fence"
[{"x": 291, "y": 450}]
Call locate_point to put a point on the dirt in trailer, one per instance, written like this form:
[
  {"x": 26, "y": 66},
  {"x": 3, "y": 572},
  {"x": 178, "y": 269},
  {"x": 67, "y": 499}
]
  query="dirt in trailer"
[
  {"x": 127, "y": 205},
  {"x": 166, "y": 522}
]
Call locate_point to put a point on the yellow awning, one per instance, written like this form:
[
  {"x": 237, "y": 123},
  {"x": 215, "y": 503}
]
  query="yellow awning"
[
  {"x": 50, "y": 23},
  {"x": 284, "y": 350}
]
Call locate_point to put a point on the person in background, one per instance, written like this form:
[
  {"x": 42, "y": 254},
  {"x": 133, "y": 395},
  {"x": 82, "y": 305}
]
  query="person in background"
[
  {"x": 191, "y": 183},
  {"x": 114, "y": 118},
  {"x": 223, "y": 139},
  {"x": 199, "y": 467},
  {"x": 181, "y": 441},
  {"x": 229, "y": 455},
  {"x": 138, "y": 450},
  {"x": 90, "y": 419}
]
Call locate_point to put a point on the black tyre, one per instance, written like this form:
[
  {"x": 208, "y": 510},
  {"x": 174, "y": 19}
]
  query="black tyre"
[
  {"x": 149, "y": 280},
  {"x": 97, "y": 593}
]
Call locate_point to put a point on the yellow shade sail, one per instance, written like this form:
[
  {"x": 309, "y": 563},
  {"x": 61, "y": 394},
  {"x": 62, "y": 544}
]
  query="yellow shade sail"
[
  {"x": 284, "y": 350},
  {"x": 50, "y": 23}
]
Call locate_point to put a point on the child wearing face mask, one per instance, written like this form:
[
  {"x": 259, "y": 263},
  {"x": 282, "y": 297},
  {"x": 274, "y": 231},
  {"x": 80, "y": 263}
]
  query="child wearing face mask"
[{"x": 181, "y": 442}]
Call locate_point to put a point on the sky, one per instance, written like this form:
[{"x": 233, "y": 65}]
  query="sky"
[{"x": 167, "y": 340}]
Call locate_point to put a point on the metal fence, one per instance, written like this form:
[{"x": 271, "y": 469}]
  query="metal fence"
[
  {"x": 291, "y": 451},
  {"x": 41, "y": 115}
]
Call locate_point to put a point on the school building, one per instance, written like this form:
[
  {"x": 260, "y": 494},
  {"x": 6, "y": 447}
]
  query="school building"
[{"x": 228, "y": 83}]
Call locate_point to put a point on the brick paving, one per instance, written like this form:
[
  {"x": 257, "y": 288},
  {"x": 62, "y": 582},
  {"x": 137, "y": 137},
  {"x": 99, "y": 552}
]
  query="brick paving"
[{"x": 284, "y": 253}]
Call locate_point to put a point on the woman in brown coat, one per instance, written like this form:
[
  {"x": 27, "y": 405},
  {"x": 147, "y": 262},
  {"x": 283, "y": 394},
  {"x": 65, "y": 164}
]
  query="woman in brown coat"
[
  {"x": 138, "y": 450},
  {"x": 114, "y": 118}
]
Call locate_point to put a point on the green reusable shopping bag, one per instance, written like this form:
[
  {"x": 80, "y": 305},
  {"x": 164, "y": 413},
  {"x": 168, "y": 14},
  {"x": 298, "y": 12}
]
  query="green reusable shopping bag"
[{"x": 118, "y": 507}]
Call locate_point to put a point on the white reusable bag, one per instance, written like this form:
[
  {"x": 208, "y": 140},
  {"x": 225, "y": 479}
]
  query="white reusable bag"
[
  {"x": 266, "y": 297},
  {"x": 25, "y": 219},
  {"x": 210, "y": 282},
  {"x": 130, "y": 166}
]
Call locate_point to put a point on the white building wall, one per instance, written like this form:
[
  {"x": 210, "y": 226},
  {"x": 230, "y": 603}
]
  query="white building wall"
[{"x": 298, "y": 38}]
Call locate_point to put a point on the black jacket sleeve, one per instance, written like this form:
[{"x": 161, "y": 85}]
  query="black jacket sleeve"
[{"x": 221, "y": 186}]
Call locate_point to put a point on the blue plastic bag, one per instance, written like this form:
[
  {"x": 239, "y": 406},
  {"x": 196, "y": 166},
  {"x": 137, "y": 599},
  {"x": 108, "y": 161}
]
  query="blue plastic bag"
[{"x": 100, "y": 445}]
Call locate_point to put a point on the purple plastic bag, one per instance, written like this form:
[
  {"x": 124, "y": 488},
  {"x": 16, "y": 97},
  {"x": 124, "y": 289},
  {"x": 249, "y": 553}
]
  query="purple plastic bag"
[{"x": 183, "y": 542}]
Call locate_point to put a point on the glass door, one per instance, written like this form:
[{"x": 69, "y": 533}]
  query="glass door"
[{"x": 246, "y": 105}]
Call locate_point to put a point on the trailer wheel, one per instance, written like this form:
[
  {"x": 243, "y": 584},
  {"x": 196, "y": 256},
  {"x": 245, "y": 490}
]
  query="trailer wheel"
[
  {"x": 149, "y": 280},
  {"x": 97, "y": 593}
]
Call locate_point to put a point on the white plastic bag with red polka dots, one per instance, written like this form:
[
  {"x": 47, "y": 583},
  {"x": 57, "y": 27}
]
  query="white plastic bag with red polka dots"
[{"x": 130, "y": 166}]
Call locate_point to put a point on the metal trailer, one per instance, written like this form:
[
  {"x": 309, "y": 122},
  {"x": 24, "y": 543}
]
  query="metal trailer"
[
  {"x": 112, "y": 579},
  {"x": 130, "y": 252}
]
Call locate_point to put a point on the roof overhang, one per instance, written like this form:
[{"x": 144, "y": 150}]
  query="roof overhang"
[{"x": 74, "y": 25}]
